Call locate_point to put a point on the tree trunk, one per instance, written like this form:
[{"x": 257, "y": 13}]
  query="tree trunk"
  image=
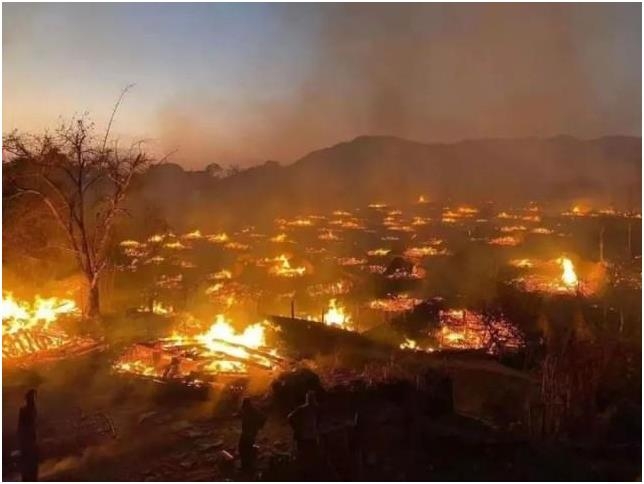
[{"x": 93, "y": 308}]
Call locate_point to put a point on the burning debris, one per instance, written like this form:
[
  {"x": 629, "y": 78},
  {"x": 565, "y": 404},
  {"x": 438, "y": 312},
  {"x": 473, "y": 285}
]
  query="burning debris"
[
  {"x": 283, "y": 268},
  {"x": 508, "y": 241},
  {"x": 200, "y": 358},
  {"x": 395, "y": 304},
  {"x": 565, "y": 282},
  {"x": 336, "y": 315},
  {"x": 330, "y": 289},
  {"x": 425, "y": 251},
  {"x": 31, "y": 332},
  {"x": 463, "y": 329}
]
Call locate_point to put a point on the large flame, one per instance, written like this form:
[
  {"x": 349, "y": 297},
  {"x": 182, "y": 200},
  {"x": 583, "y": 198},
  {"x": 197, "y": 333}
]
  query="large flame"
[
  {"x": 335, "y": 315},
  {"x": 20, "y": 315},
  {"x": 30, "y": 332},
  {"x": 568, "y": 276},
  {"x": 193, "y": 357}
]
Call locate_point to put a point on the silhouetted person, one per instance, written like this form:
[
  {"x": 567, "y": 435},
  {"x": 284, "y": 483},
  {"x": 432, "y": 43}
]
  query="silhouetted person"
[
  {"x": 173, "y": 369},
  {"x": 358, "y": 438},
  {"x": 304, "y": 422},
  {"x": 252, "y": 422},
  {"x": 27, "y": 438}
]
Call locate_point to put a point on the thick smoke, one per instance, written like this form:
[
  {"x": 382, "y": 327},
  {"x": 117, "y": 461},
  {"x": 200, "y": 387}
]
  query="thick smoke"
[{"x": 431, "y": 73}]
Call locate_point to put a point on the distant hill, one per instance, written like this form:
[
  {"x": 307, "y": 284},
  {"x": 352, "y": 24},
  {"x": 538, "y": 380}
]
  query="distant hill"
[{"x": 383, "y": 168}]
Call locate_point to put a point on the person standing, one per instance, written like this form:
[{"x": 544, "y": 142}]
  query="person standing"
[
  {"x": 27, "y": 438},
  {"x": 304, "y": 422},
  {"x": 252, "y": 422}
]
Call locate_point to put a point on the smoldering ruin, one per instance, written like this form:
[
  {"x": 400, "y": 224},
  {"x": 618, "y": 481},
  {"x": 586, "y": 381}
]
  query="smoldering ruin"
[{"x": 380, "y": 308}]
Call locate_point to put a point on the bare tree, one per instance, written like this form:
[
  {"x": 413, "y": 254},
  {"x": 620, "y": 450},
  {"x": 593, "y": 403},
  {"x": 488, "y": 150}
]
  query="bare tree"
[{"x": 82, "y": 179}]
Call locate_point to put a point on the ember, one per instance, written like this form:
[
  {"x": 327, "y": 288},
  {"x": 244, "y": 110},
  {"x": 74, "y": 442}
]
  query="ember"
[
  {"x": 464, "y": 329},
  {"x": 283, "y": 268},
  {"x": 394, "y": 304}
]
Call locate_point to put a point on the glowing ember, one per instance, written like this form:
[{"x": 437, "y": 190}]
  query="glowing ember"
[
  {"x": 155, "y": 239},
  {"x": 424, "y": 251},
  {"x": 564, "y": 282},
  {"x": 508, "y": 241},
  {"x": 330, "y": 289},
  {"x": 410, "y": 344},
  {"x": 236, "y": 246},
  {"x": 420, "y": 221},
  {"x": 398, "y": 303},
  {"x": 300, "y": 222},
  {"x": 174, "y": 245},
  {"x": 328, "y": 235},
  {"x": 513, "y": 228},
  {"x": 157, "y": 308},
  {"x": 351, "y": 261},
  {"x": 130, "y": 243},
  {"x": 468, "y": 330},
  {"x": 378, "y": 252},
  {"x": 218, "y": 238},
  {"x": 279, "y": 238},
  {"x": 222, "y": 274},
  {"x": 196, "y": 234},
  {"x": 542, "y": 231},
  {"x": 283, "y": 268},
  {"x": 522, "y": 263}
]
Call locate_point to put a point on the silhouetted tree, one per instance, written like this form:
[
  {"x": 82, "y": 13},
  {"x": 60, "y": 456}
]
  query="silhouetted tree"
[{"x": 82, "y": 179}]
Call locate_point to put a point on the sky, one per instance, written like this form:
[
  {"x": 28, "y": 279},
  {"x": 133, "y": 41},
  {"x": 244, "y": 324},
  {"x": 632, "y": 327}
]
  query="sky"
[{"x": 244, "y": 83}]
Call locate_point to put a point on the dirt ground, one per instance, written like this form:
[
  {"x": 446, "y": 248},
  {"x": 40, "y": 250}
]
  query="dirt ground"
[{"x": 162, "y": 435}]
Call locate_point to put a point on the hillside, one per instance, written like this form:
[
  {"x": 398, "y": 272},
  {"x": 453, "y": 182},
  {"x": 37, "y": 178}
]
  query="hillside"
[{"x": 555, "y": 170}]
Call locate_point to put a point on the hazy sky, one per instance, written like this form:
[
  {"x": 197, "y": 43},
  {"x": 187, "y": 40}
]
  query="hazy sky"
[{"x": 242, "y": 83}]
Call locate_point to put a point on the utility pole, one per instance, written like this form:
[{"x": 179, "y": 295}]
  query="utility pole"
[
  {"x": 630, "y": 238},
  {"x": 601, "y": 244}
]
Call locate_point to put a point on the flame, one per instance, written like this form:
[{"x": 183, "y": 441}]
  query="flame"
[
  {"x": 279, "y": 238},
  {"x": 236, "y": 246},
  {"x": 20, "y": 315},
  {"x": 504, "y": 241},
  {"x": 568, "y": 276},
  {"x": 336, "y": 316},
  {"x": 378, "y": 252},
  {"x": 542, "y": 230},
  {"x": 522, "y": 263},
  {"x": 424, "y": 251},
  {"x": 328, "y": 235},
  {"x": 410, "y": 344},
  {"x": 283, "y": 268},
  {"x": 155, "y": 239},
  {"x": 223, "y": 274},
  {"x": 218, "y": 238},
  {"x": 221, "y": 332},
  {"x": 195, "y": 234},
  {"x": 158, "y": 308},
  {"x": 29, "y": 330},
  {"x": 174, "y": 245},
  {"x": 394, "y": 304},
  {"x": 192, "y": 358}
]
